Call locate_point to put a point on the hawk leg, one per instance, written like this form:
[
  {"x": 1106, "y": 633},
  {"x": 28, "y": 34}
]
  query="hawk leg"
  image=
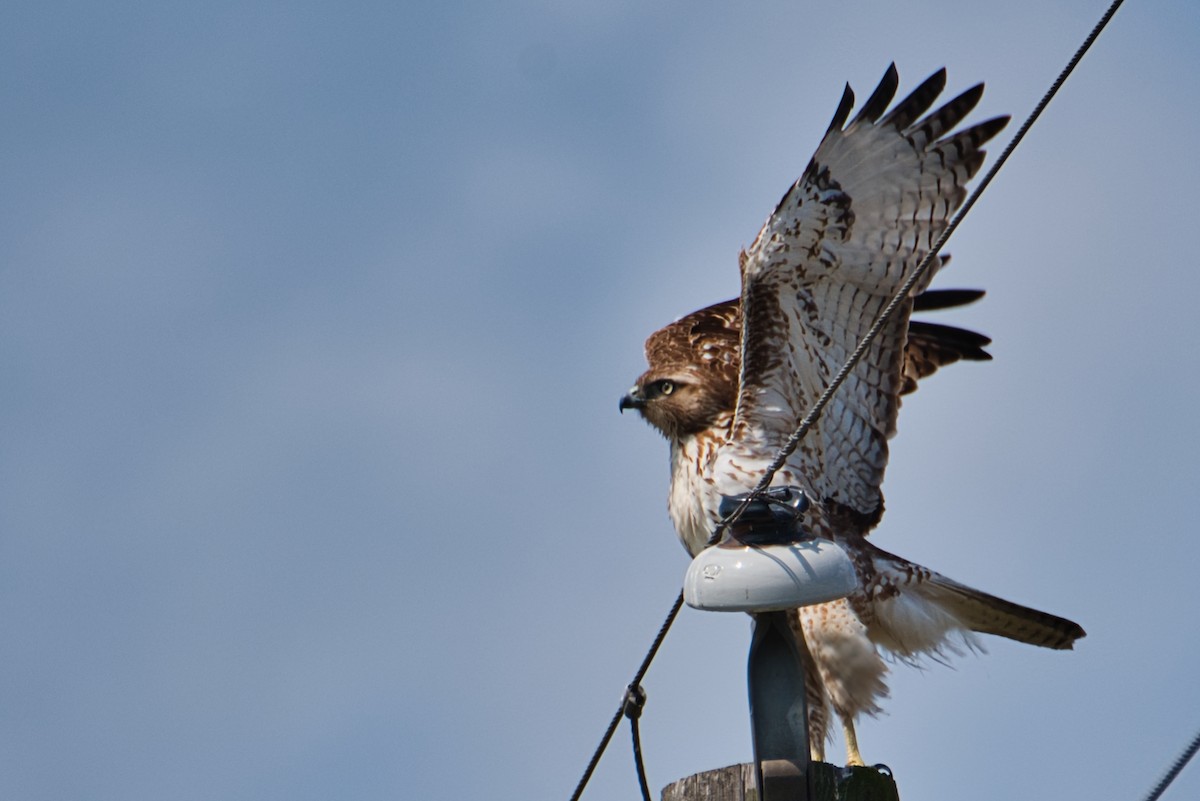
[{"x": 853, "y": 757}]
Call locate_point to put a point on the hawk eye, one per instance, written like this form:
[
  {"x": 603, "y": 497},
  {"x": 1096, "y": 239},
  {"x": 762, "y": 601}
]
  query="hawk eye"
[{"x": 665, "y": 387}]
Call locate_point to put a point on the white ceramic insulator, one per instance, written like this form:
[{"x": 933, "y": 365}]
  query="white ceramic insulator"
[{"x": 767, "y": 578}]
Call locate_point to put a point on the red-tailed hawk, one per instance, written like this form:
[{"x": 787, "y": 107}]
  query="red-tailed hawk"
[{"x": 728, "y": 384}]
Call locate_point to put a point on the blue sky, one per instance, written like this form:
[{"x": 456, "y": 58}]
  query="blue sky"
[{"x": 313, "y": 319}]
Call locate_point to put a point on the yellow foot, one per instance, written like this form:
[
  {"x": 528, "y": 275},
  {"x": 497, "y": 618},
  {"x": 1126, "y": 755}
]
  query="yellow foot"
[{"x": 853, "y": 757}]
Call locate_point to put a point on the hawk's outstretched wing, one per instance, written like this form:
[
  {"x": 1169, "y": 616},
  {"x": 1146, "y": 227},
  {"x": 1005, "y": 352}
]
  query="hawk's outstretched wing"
[{"x": 869, "y": 206}]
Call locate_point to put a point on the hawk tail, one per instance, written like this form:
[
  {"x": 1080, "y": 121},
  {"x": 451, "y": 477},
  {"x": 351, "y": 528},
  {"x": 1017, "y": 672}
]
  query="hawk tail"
[
  {"x": 987, "y": 614},
  {"x": 916, "y": 612}
]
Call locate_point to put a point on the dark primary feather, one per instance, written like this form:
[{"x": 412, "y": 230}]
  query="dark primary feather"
[
  {"x": 877, "y": 103},
  {"x": 932, "y": 346},
  {"x": 959, "y": 342},
  {"x": 933, "y": 299},
  {"x": 920, "y": 99},
  {"x": 843, "y": 110}
]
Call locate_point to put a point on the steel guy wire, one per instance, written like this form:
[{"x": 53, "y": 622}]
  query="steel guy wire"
[{"x": 1175, "y": 769}]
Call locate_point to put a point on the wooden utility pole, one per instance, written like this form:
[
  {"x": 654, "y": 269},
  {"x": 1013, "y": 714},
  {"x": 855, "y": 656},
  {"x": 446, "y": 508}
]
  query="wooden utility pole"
[{"x": 829, "y": 783}]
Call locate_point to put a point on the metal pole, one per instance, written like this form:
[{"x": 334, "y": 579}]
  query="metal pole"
[{"x": 778, "y": 712}]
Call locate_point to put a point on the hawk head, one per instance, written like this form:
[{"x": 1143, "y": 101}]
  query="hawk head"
[{"x": 693, "y": 372}]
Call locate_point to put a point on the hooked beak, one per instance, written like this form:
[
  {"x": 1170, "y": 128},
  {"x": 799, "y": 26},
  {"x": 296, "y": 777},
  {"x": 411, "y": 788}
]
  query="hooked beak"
[{"x": 632, "y": 400}]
